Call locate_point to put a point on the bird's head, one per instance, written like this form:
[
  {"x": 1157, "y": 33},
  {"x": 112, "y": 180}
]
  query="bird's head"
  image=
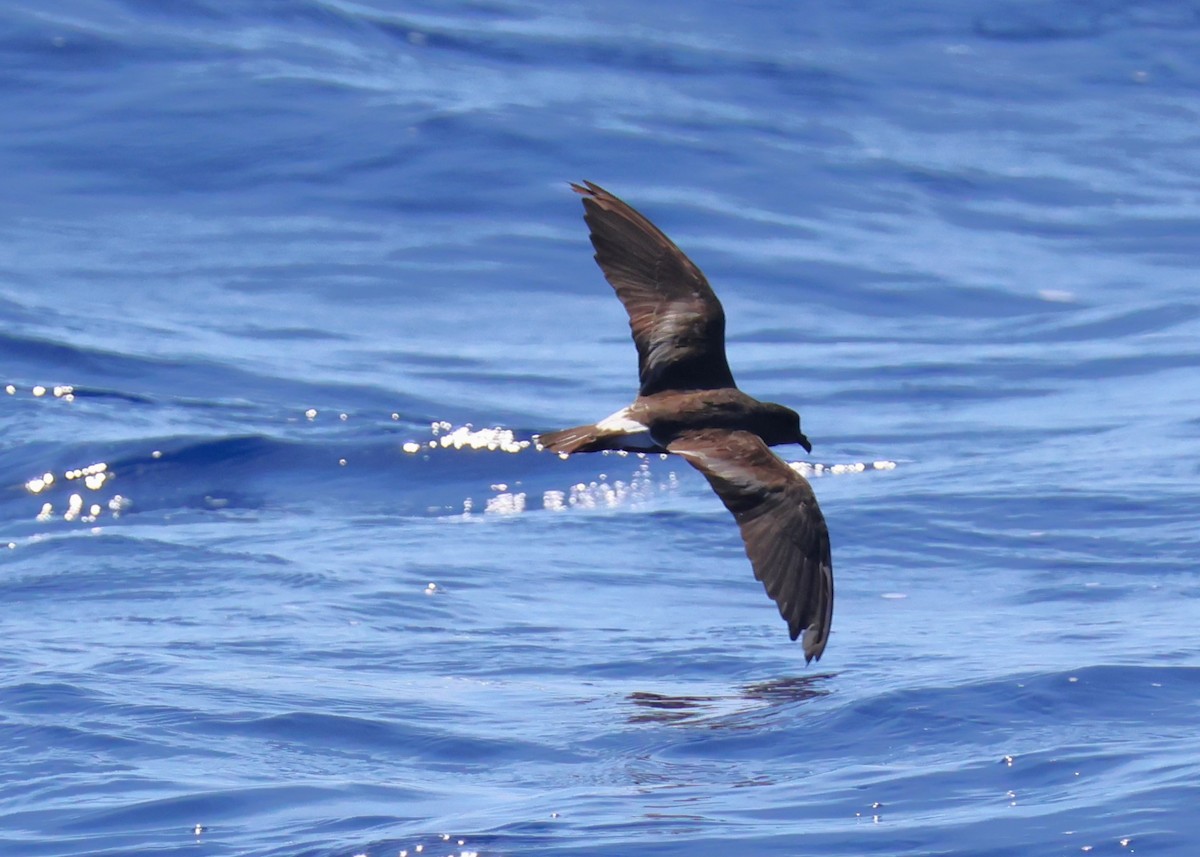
[{"x": 785, "y": 427}]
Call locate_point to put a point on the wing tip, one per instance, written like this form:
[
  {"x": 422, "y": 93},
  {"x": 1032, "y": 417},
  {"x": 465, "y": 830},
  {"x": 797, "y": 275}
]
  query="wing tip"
[
  {"x": 813, "y": 641},
  {"x": 588, "y": 189}
]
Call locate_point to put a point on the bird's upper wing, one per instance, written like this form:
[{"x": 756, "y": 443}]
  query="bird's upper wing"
[
  {"x": 677, "y": 322},
  {"x": 783, "y": 528}
]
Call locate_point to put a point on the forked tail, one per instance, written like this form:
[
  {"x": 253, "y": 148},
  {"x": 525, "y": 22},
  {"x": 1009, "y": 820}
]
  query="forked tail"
[
  {"x": 597, "y": 438},
  {"x": 578, "y": 439}
]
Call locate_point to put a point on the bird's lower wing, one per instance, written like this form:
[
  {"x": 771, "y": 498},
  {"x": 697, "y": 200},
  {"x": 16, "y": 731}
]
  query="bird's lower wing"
[{"x": 782, "y": 525}]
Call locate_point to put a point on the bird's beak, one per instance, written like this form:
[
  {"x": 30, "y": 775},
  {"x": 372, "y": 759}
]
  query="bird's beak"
[{"x": 803, "y": 441}]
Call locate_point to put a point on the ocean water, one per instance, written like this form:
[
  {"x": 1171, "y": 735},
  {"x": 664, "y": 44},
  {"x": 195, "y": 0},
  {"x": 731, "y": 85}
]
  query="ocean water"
[{"x": 287, "y": 287}]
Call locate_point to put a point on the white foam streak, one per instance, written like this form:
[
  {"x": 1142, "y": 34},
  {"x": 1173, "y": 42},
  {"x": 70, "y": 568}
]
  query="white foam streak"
[{"x": 806, "y": 468}]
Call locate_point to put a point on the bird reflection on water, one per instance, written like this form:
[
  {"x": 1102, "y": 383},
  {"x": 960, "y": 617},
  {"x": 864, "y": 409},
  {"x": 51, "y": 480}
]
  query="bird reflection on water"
[{"x": 723, "y": 712}]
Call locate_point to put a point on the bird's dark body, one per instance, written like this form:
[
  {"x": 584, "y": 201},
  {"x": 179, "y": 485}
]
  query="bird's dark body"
[
  {"x": 688, "y": 404},
  {"x": 671, "y": 413}
]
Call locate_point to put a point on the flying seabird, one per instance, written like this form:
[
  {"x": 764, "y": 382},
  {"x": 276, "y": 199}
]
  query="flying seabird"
[{"x": 689, "y": 405}]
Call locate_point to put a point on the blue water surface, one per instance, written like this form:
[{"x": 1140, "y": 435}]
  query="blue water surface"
[{"x": 274, "y": 276}]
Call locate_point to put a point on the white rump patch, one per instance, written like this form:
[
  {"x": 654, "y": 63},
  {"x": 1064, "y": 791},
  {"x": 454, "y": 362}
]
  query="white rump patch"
[
  {"x": 620, "y": 423},
  {"x": 634, "y": 435}
]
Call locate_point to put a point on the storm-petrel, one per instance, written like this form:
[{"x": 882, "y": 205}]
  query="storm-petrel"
[{"x": 689, "y": 405}]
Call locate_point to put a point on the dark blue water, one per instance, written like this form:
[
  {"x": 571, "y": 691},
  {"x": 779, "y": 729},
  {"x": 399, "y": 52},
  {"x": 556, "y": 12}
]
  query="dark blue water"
[{"x": 254, "y": 254}]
